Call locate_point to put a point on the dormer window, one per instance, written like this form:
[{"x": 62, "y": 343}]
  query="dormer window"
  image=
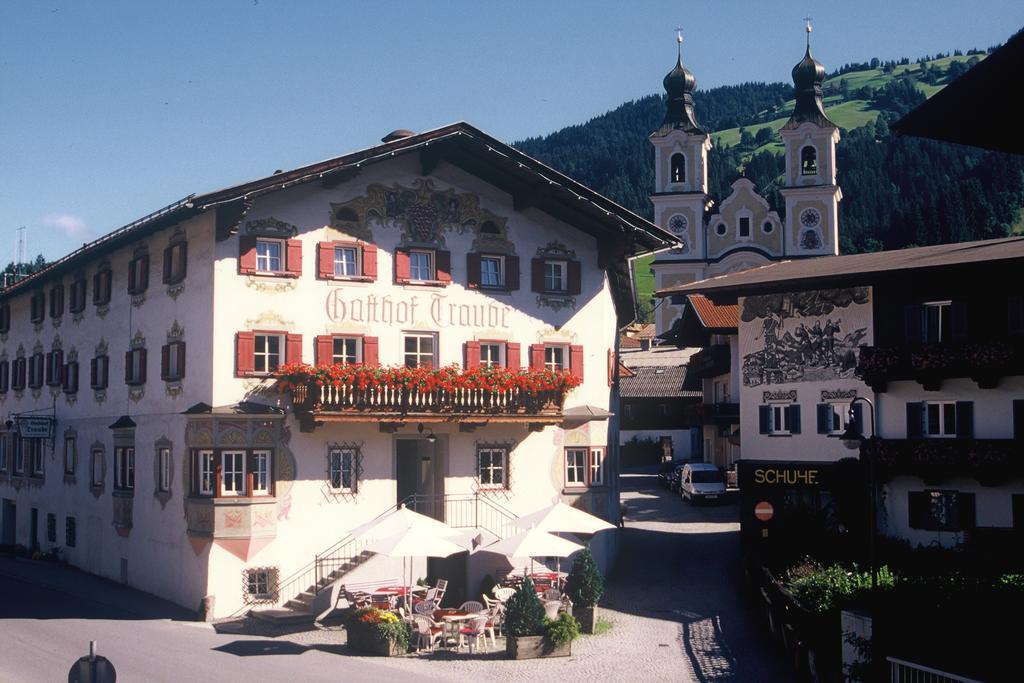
[
  {"x": 809, "y": 160},
  {"x": 678, "y": 168}
]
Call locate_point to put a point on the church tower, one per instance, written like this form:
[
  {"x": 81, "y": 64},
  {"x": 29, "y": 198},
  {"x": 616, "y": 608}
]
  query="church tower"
[{"x": 811, "y": 193}]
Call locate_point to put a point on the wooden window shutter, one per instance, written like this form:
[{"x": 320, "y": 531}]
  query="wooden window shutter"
[
  {"x": 764, "y": 419},
  {"x": 324, "y": 349},
  {"x": 964, "y": 419},
  {"x": 912, "y": 323},
  {"x": 293, "y": 348},
  {"x": 915, "y": 420},
  {"x": 794, "y": 418},
  {"x": 512, "y": 273},
  {"x": 168, "y": 276},
  {"x": 370, "y": 261},
  {"x": 537, "y": 275},
  {"x": 165, "y": 362},
  {"x": 858, "y": 419},
  {"x": 325, "y": 260},
  {"x": 245, "y": 354},
  {"x": 576, "y": 360},
  {"x": 247, "y": 254},
  {"x": 575, "y": 277},
  {"x": 93, "y": 373},
  {"x": 473, "y": 271},
  {"x": 293, "y": 259},
  {"x": 142, "y": 366},
  {"x": 512, "y": 356},
  {"x": 128, "y": 367},
  {"x": 472, "y": 354},
  {"x": 181, "y": 359},
  {"x": 370, "y": 351},
  {"x": 959, "y": 313},
  {"x": 444, "y": 266},
  {"x": 824, "y": 418},
  {"x": 183, "y": 271},
  {"x": 536, "y": 356},
  {"x": 402, "y": 268},
  {"x": 133, "y": 275}
]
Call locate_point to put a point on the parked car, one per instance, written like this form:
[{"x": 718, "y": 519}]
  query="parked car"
[
  {"x": 665, "y": 471},
  {"x": 701, "y": 481},
  {"x": 674, "y": 477}
]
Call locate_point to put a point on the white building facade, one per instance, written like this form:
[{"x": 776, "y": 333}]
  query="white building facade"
[{"x": 175, "y": 463}]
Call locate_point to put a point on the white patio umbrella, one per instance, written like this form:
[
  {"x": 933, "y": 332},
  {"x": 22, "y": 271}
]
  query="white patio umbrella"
[
  {"x": 397, "y": 521},
  {"x": 562, "y": 517},
  {"x": 417, "y": 541},
  {"x": 533, "y": 543}
]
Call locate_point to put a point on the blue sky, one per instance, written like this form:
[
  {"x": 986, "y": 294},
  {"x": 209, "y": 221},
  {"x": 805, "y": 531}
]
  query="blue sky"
[{"x": 110, "y": 110}]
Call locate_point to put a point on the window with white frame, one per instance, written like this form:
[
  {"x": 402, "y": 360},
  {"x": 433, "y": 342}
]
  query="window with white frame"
[
  {"x": 492, "y": 354},
  {"x": 96, "y": 475},
  {"x": 261, "y": 585},
  {"x": 556, "y": 358},
  {"x": 346, "y": 261},
  {"x": 596, "y": 466},
  {"x": 124, "y": 468},
  {"x": 19, "y": 454},
  {"x": 5, "y": 453},
  {"x": 345, "y": 351},
  {"x": 70, "y": 455},
  {"x": 936, "y": 321},
  {"x": 492, "y": 271},
  {"x": 232, "y": 473},
  {"x": 206, "y": 473},
  {"x": 135, "y": 370},
  {"x": 840, "y": 417},
  {"x": 269, "y": 256},
  {"x": 259, "y": 467},
  {"x": 940, "y": 419},
  {"x": 341, "y": 469},
  {"x": 492, "y": 465},
  {"x": 420, "y": 350},
  {"x": 267, "y": 352},
  {"x": 555, "y": 276},
  {"x": 584, "y": 467},
  {"x": 163, "y": 469},
  {"x": 779, "y": 423},
  {"x": 35, "y": 454},
  {"x": 421, "y": 265}
]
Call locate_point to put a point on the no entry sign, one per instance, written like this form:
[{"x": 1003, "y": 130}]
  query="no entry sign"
[{"x": 764, "y": 511}]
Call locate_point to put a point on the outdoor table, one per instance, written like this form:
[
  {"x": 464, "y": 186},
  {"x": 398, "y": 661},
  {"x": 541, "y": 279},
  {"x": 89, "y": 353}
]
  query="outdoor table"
[
  {"x": 451, "y": 619},
  {"x": 394, "y": 592}
]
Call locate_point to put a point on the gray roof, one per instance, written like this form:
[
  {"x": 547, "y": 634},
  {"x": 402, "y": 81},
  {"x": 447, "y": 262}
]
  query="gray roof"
[
  {"x": 658, "y": 382},
  {"x": 853, "y": 269}
]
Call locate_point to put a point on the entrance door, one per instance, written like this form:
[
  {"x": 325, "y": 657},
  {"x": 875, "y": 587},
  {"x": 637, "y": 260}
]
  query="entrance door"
[
  {"x": 33, "y": 539},
  {"x": 419, "y": 475},
  {"x": 9, "y": 531}
]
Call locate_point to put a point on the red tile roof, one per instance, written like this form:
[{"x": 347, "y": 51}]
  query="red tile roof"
[{"x": 713, "y": 315}]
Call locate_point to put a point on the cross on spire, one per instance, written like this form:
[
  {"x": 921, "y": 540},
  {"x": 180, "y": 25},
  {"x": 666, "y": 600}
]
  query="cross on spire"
[
  {"x": 679, "y": 41},
  {"x": 808, "y": 28}
]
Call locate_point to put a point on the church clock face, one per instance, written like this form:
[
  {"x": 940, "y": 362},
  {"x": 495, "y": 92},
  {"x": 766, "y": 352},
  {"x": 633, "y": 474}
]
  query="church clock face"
[
  {"x": 810, "y": 218},
  {"x": 677, "y": 224}
]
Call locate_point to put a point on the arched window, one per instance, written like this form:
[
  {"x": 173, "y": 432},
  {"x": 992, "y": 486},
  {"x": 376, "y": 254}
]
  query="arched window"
[
  {"x": 809, "y": 161},
  {"x": 678, "y": 168}
]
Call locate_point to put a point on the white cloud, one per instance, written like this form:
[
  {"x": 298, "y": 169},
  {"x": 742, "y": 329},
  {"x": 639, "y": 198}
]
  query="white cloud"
[{"x": 70, "y": 225}]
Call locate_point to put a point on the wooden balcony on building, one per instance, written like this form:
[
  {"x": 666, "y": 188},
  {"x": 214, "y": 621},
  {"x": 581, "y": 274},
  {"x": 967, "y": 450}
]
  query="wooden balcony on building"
[
  {"x": 719, "y": 413},
  {"x": 930, "y": 364},
  {"x": 469, "y": 408},
  {"x": 935, "y": 461},
  {"x": 712, "y": 361}
]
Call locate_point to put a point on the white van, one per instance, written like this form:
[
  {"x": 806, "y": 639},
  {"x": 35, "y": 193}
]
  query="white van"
[{"x": 701, "y": 481}]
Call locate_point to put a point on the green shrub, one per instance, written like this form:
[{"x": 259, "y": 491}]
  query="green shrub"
[
  {"x": 584, "y": 584},
  {"x": 835, "y": 587},
  {"x": 562, "y": 630},
  {"x": 524, "y": 615}
]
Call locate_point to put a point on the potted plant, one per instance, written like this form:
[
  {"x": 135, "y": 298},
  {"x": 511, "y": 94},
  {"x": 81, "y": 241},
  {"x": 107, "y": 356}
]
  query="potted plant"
[
  {"x": 529, "y": 634},
  {"x": 377, "y": 632},
  {"x": 585, "y": 587}
]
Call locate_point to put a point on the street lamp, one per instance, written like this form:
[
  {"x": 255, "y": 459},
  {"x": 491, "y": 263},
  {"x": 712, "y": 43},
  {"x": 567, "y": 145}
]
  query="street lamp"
[{"x": 853, "y": 439}]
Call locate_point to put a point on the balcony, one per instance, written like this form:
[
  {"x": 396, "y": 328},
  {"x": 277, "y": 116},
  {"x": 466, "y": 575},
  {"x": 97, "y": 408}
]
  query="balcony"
[
  {"x": 712, "y": 361},
  {"x": 929, "y": 364},
  {"x": 240, "y": 525},
  {"x": 935, "y": 461},
  {"x": 719, "y": 413}
]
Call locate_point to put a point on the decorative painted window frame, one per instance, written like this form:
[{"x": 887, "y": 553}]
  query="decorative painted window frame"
[
  {"x": 70, "y": 458},
  {"x": 97, "y": 466},
  {"x": 163, "y": 446}
]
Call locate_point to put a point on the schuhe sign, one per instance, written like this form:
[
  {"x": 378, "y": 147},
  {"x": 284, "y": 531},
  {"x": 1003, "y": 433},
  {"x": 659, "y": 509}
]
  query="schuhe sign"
[{"x": 436, "y": 310}]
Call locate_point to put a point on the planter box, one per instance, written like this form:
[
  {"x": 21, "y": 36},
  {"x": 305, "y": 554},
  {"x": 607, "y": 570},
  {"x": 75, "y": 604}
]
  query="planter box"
[
  {"x": 587, "y": 616},
  {"x": 534, "y": 647},
  {"x": 365, "y": 639}
]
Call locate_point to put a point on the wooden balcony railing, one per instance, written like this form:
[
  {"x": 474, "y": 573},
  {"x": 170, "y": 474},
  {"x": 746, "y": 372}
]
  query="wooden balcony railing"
[
  {"x": 930, "y": 364},
  {"x": 935, "y": 461}
]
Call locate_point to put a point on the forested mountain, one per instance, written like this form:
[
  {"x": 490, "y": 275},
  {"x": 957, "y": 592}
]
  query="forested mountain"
[{"x": 897, "y": 191}]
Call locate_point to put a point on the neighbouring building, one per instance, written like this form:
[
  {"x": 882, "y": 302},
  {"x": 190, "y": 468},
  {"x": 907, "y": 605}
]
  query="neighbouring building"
[
  {"x": 657, "y": 405},
  {"x": 937, "y": 351},
  {"x": 144, "y": 434}
]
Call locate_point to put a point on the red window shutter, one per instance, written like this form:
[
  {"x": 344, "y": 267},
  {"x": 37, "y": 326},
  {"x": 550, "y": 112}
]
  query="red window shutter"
[
  {"x": 370, "y": 355},
  {"x": 536, "y": 356},
  {"x": 181, "y": 360},
  {"x": 473, "y": 270},
  {"x": 370, "y": 261},
  {"x": 293, "y": 348},
  {"x": 324, "y": 349},
  {"x": 293, "y": 259},
  {"x": 165, "y": 361},
  {"x": 512, "y": 273},
  {"x": 575, "y": 277},
  {"x": 512, "y": 360},
  {"x": 245, "y": 354},
  {"x": 246, "y": 254},
  {"x": 537, "y": 275},
  {"x": 444, "y": 266},
  {"x": 576, "y": 360},
  {"x": 325, "y": 260},
  {"x": 402, "y": 266},
  {"x": 472, "y": 351},
  {"x": 167, "y": 274}
]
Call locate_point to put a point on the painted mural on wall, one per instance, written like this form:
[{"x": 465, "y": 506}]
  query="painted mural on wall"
[
  {"x": 805, "y": 336},
  {"x": 422, "y": 212}
]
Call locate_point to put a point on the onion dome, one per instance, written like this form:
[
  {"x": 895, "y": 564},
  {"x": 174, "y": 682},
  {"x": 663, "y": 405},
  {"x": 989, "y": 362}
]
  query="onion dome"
[
  {"x": 808, "y": 77},
  {"x": 679, "y": 115}
]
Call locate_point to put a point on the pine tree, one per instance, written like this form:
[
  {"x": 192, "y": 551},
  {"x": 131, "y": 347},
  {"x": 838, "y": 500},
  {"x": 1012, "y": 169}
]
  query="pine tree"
[
  {"x": 584, "y": 584},
  {"x": 524, "y": 615}
]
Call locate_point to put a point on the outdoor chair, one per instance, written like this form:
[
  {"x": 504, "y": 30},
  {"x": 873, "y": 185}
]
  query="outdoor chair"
[
  {"x": 475, "y": 630},
  {"x": 495, "y": 612},
  {"x": 440, "y": 588},
  {"x": 551, "y": 608},
  {"x": 424, "y": 608},
  {"x": 431, "y": 595},
  {"x": 552, "y": 594},
  {"x": 471, "y": 606},
  {"x": 503, "y": 594},
  {"x": 428, "y": 630}
]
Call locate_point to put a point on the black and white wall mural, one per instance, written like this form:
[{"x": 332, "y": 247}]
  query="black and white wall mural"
[{"x": 810, "y": 336}]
